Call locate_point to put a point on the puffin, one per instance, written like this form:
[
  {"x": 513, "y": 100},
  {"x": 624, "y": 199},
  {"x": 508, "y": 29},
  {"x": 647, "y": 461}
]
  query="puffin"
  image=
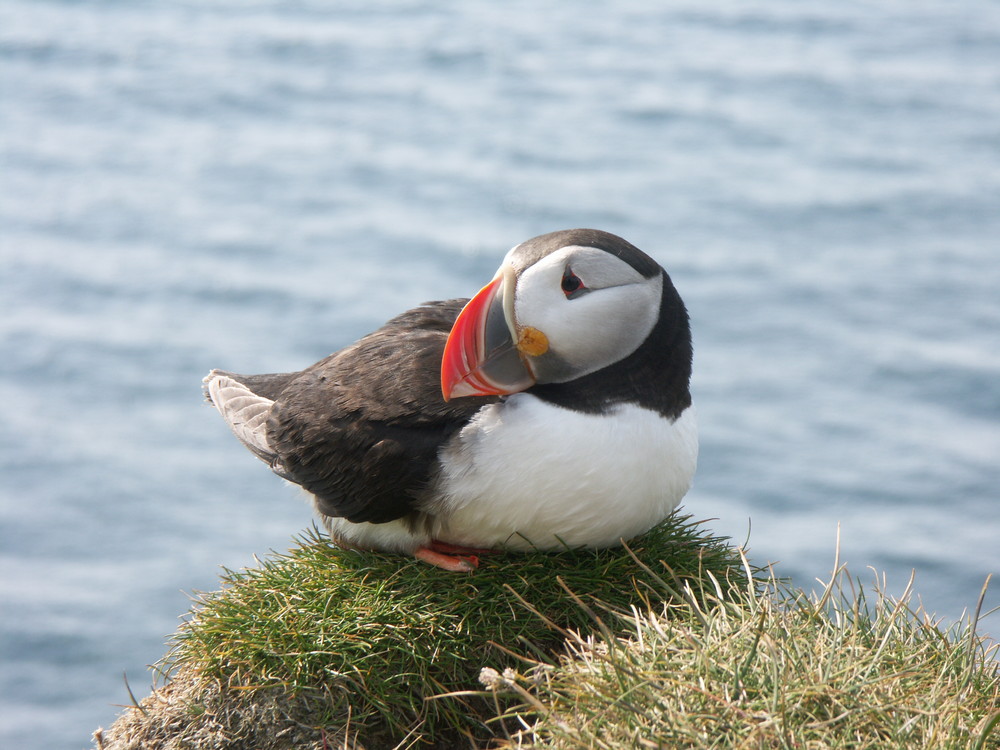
[{"x": 550, "y": 411}]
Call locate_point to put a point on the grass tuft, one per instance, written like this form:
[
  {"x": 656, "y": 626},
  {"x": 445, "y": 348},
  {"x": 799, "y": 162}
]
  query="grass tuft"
[{"x": 769, "y": 667}]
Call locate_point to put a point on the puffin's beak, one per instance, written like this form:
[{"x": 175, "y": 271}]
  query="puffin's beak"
[{"x": 480, "y": 356}]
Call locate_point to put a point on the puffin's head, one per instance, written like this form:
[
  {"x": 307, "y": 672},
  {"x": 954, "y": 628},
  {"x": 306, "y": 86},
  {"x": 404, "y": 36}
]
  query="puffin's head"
[{"x": 561, "y": 306}]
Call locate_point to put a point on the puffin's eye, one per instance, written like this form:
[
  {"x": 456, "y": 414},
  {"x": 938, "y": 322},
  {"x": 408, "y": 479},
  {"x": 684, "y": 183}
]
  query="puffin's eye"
[{"x": 572, "y": 285}]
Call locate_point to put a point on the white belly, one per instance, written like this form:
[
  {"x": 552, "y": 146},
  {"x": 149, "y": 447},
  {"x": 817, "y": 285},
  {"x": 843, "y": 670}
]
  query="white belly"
[{"x": 526, "y": 474}]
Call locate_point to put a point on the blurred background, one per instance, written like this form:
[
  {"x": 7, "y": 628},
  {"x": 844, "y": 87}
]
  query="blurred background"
[{"x": 253, "y": 185}]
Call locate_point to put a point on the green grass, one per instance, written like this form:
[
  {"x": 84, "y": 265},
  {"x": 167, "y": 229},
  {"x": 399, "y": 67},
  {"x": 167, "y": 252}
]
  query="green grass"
[
  {"x": 373, "y": 636},
  {"x": 675, "y": 641}
]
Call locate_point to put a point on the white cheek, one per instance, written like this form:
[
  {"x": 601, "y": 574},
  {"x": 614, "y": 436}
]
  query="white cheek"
[{"x": 595, "y": 329}]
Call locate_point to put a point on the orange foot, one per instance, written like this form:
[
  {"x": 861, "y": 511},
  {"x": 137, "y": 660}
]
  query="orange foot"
[{"x": 453, "y": 557}]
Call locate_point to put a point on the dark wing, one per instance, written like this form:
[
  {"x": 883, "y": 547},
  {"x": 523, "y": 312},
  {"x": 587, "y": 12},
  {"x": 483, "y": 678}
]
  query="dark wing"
[{"x": 362, "y": 428}]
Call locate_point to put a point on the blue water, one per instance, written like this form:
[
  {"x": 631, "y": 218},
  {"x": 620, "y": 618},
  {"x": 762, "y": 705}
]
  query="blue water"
[{"x": 252, "y": 185}]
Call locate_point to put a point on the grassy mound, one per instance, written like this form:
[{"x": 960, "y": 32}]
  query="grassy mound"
[{"x": 675, "y": 642}]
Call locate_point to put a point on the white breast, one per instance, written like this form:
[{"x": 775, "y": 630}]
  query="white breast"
[{"x": 525, "y": 473}]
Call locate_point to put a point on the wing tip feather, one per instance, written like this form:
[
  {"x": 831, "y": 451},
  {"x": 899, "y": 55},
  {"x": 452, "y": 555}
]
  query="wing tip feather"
[{"x": 243, "y": 411}]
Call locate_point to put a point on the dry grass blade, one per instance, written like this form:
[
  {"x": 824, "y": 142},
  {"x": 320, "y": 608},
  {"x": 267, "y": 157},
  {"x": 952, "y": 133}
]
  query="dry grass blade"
[{"x": 774, "y": 668}]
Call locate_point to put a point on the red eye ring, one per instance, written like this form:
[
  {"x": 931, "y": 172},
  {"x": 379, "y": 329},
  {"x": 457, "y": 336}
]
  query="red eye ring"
[{"x": 571, "y": 284}]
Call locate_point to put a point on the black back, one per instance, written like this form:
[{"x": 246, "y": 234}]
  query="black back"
[{"x": 362, "y": 428}]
